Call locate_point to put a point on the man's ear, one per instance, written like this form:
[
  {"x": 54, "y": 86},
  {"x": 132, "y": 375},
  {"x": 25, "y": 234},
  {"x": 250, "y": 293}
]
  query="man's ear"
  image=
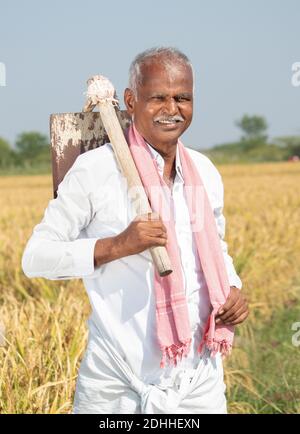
[{"x": 129, "y": 100}]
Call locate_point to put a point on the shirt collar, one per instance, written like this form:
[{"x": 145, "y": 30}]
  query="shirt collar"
[{"x": 161, "y": 163}]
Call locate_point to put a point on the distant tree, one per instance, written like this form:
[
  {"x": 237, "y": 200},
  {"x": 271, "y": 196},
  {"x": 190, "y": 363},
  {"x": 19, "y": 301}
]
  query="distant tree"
[
  {"x": 290, "y": 143},
  {"x": 6, "y": 154},
  {"x": 31, "y": 144},
  {"x": 254, "y": 129}
]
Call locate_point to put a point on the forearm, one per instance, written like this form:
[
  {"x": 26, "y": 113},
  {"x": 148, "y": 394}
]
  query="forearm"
[
  {"x": 108, "y": 249},
  {"x": 143, "y": 233}
]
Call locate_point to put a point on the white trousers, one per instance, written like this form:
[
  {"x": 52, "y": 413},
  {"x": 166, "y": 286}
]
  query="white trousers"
[{"x": 107, "y": 385}]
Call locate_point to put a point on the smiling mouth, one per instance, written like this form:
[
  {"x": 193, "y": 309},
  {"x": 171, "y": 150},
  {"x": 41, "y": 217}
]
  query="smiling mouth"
[{"x": 168, "y": 123}]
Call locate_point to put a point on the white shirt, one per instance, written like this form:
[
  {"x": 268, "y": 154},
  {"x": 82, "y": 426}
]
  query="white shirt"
[{"x": 93, "y": 203}]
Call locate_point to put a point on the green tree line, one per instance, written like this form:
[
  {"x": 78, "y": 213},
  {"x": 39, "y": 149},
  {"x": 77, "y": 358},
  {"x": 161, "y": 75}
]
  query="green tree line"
[
  {"x": 32, "y": 153},
  {"x": 254, "y": 145}
]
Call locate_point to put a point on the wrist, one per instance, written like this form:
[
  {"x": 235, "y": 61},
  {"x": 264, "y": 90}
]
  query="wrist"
[
  {"x": 119, "y": 246},
  {"x": 107, "y": 250}
]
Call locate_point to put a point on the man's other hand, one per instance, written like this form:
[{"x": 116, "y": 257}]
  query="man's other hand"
[{"x": 235, "y": 310}]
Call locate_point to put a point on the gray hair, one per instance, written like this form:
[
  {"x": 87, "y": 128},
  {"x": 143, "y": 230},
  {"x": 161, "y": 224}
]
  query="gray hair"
[{"x": 168, "y": 56}]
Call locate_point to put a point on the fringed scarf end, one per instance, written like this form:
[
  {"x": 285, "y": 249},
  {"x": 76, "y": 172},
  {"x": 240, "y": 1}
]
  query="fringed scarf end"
[
  {"x": 215, "y": 346},
  {"x": 174, "y": 353},
  {"x": 214, "y": 340}
]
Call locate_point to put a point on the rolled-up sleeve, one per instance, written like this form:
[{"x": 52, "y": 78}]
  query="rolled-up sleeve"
[{"x": 55, "y": 250}]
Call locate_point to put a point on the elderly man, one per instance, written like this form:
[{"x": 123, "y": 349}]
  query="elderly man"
[{"x": 153, "y": 341}]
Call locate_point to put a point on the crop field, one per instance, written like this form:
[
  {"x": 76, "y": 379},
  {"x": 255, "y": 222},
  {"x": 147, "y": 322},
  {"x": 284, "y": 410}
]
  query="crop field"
[{"x": 45, "y": 321}]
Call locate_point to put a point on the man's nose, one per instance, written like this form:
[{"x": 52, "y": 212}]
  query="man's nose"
[{"x": 171, "y": 106}]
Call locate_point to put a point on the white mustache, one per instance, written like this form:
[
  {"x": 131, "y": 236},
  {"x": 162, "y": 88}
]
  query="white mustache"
[{"x": 176, "y": 118}]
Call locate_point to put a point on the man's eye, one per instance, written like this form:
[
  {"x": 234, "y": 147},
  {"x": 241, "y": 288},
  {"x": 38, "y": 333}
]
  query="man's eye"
[
  {"x": 183, "y": 99},
  {"x": 158, "y": 98}
]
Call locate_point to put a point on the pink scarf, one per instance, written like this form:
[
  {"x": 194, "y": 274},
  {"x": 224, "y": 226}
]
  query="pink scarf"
[{"x": 172, "y": 320}]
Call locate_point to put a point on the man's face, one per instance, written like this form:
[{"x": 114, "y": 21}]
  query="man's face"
[{"x": 163, "y": 109}]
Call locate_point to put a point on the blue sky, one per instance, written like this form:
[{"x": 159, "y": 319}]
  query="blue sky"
[{"x": 242, "y": 52}]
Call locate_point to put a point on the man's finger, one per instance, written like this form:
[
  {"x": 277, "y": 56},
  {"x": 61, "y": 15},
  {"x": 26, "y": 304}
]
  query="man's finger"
[
  {"x": 240, "y": 319},
  {"x": 157, "y": 232},
  {"x": 231, "y": 300},
  {"x": 235, "y": 315},
  {"x": 155, "y": 225},
  {"x": 228, "y": 313},
  {"x": 157, "y": 241}
]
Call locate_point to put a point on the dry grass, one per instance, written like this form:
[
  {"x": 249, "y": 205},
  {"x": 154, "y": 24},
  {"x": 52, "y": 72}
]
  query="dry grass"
[{"x": 45, "y": 320}]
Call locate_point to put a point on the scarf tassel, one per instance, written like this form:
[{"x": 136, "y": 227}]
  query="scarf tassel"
[
  {"x": 211, "y": 341},
  {"x": 174, "y": 353},
  {"x": 216, "y": 346}
]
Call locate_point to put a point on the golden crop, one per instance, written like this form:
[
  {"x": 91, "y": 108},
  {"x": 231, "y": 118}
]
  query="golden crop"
[{"x": 45, "y": 320}]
